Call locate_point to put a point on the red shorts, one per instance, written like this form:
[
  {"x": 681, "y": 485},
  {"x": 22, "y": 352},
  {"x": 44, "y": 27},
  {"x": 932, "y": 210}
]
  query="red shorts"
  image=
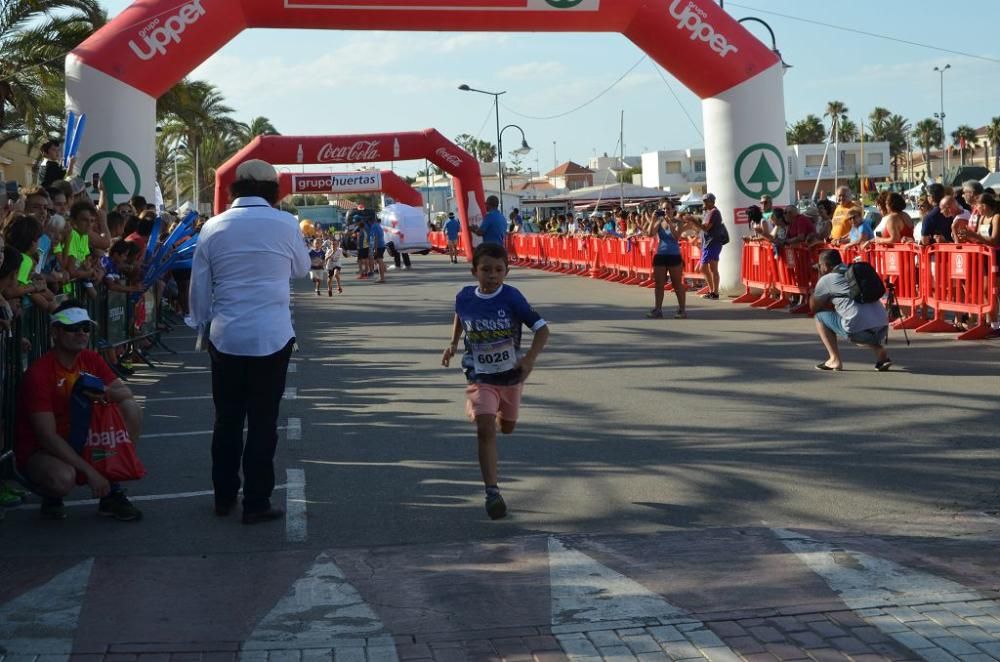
[{"x": 490, "y": 400}]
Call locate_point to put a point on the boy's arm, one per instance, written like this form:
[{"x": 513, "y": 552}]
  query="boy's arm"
[
  {"x": 452, "y": 348},
  {"x": 527, "y": 362}
]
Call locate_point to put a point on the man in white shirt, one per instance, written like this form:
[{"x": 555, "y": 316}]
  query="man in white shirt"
[{"x": 239, "y": 288}]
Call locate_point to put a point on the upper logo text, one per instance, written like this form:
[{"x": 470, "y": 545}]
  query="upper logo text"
[{"x": 692, "y": 18}]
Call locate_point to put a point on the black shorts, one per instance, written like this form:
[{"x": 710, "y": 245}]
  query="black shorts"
[
  {"x": 362, "y": 253},
  {"x": 331, "y": 271},
  {"x": 661, "y": 260},
  {"x": 380, "y": 253}
]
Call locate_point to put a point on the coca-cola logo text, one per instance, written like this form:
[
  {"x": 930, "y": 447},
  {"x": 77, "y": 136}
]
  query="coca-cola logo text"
[
  {"x": 362, "y": 150},
  {"x": 156, "y": 37},
  {"x": 449, "y": 157}
]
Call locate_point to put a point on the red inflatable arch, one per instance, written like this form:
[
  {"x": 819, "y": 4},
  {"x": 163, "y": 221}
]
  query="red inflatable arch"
[
  {"x": 407, "y": 146},
  {"x": 117, "y": 74},
  {"x": 320, "y": 183}
]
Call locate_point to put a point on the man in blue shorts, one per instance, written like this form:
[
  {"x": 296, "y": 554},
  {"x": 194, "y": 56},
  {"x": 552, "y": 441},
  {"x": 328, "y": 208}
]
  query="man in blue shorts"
[
  {"x": 713, "y": 237},
  {"x": 494, "y": 227},
  {"x": 838, "y": 314},
  {"x": 451, "y": 229}
]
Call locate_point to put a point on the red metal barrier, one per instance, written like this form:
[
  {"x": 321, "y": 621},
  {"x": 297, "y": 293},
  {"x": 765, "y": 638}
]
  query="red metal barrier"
[
  {"x": 757, "y": 273},
  {"x": 643, "y": 249},
  {"x": 794, "y": 275},
  {"x": 900, "y": 265},
  {"x": 962, "y": 279},
  {"x": 691, "y": 255}
]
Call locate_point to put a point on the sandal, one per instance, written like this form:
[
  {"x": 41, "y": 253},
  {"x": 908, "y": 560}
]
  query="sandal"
[{"x": 824, "y": 366}]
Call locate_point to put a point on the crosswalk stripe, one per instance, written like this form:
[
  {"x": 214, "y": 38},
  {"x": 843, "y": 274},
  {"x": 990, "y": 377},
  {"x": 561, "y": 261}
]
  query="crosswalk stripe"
[
  {"x": 42, "y": 621},
  {"x": 323, "y": 610},
  {"x": 934, "y": 617},
  {"x": 600, "y": 613}
]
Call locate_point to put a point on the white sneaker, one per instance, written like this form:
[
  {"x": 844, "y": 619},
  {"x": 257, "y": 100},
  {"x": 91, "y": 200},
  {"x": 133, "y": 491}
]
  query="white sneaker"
[{"x": 391, "y": 267}]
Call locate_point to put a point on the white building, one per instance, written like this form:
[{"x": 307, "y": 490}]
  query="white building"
[
  {"x": 676, "y": 171},
  {"x": 804, "y": 163}
]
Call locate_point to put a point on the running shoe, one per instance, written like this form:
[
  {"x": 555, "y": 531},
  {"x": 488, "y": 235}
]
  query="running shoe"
[
  {"x": 340, "y": 290},
  {"x": 118, "y": 506},
  {"x": 710, "y": 295},
  {"x": 329, "y": 293},
  {"x": 681, "y": 315},
  {"x": 495, "y": 506},
  {"x": 52, "y": 509},
  {"x": 317, "y": 292},
  {"x": 655, "y": 314}
]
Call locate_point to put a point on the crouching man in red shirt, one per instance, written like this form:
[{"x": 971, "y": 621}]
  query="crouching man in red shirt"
[{"x": 44, "y": 454}]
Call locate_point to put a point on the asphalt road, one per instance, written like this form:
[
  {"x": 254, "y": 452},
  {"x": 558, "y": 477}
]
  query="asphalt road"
[{"x": 628, "y": 426}]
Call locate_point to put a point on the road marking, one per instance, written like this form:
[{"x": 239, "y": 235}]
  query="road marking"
[
  {"x": 290, "y": 393},
  {"x": 323, "y": 610},
  {"x": 293, "y": 367},
  {"x": 592, "y": 605},
  {"x": 934, "y": 617},
  {"x": 139, "y": 497},
  {"x": 44, "y": 620},
  {"x": 187, "y": 434},
  {"x": 295, "y": 506},
  {"x": 293, "y": 431},
  {"x": 180, "y": 398}
]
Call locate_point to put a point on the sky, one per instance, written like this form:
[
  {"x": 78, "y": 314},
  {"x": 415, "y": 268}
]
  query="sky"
[{"x": 335, "y": 82}]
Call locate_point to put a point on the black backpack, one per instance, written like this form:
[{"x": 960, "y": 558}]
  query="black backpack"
[{"x": 864, "y": 283}]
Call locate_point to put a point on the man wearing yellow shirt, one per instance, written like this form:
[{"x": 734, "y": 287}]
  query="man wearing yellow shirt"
[{"x": 841, "y": 219}]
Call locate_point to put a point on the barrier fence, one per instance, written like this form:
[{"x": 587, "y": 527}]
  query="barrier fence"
[
  {"x": 929, "y": 282},
  {"x": 121, "y": 322}
]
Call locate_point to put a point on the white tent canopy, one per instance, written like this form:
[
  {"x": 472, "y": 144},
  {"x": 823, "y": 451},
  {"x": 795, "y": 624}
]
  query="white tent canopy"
[
  {"x": 991, "y": 180},
  {"x": 692, "y": 198}
]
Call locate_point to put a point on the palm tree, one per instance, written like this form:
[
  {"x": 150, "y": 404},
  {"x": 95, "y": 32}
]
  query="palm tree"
[
  {"x": 34, "y": 38},
  {"x": 194, "y": 113},
  {"x": 928, "y": 135},
  {"x": 964, "y": 137},
  {"x": 847, "y": 131},
  {"x": 878, "y": 120},
  {"x": 806, "y": 131},
  {"x": 993, "y": 135},
  {"x": 836, "y": 111},
  {"x": 258, "y": 126},
  {"x": 897, "y": 133}
]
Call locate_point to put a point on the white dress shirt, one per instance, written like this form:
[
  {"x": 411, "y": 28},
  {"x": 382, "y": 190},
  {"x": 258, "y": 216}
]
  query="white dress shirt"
[{"x": 239, "y": 277}]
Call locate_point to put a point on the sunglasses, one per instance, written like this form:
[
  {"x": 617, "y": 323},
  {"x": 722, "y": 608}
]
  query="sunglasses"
[{"x": 81, "y": 327}]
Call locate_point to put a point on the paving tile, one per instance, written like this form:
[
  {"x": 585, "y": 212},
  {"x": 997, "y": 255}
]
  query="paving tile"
[
  {"x": 577, "y": 647},
  {"x": 760, "y": 657},
  {"x": 745, "y": 645},
  {"x": 956, "y": 646},
  {"x": 218, "y": 656},
  {"x": 315, "y": 655},
  {"x": 681, "y": 650},
  {"x": 868, "y": 657},
  {"x": 973, "y": 634},
  {"x": 252, "y": 656},
  {"x": 161, "y": 657},
  {"x": 892, "y": 651},
  {"x": 379, "y": 654},
  {"x": 189, "y": 657},
  {"x": 631, "y": 632},
  {"x": 721, "y": 654},
  {"x": 728, "y": 629},
  {"x": 653, "y": 657},
  {"x": 905, "y": 614},
  {"x": 888, "y": 624},
  {"x": 868, "y": 613},
  {"x": 828, "y": 629},
  {"x": 704, "y": 639},
  {"x": 928, "y": 629},
  {"x": 912, "y": 640},
  {"x": 617, "y": 654},
  {"x": 987, "y": 623},
  {"x": 345, "y": 654},
  {"x": 785, "y": 651},
  {"x": 413, "y": 651},
  {"x": 868, "y": 634},
  {"x": 847, "y": 619},
  {"x": 787, "y": 623},
  {"x": 687, "y": 627},
  {"x": 991, "y": 649},
  {"x": 937, "y": 655},
  {"x": 605, "y": 638},
  {"x": 807, "y": 639},
  {"x": 284, "y": 656},
  {"x": 664, "y": 633},
  {"x": 79, "y": 657},
  {"x": 642, "y": 644},
  {"x": 549, "y": 656},
  {"x": 945, "y": 618},
  {"x": 767, "y": 634},
  {"x": 510, "y": 646},
  {"x": 827, "y": 655},
  {"x": 539, "y": 643},
  {"x": 964, "y": 609},
  {"x": 850, "y": 645},
  {"x": 978, "y": 657}
]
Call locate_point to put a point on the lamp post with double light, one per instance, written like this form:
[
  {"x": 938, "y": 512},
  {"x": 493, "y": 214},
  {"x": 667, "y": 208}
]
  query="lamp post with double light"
[
  {"x": 944, "y": 140},
  {"x": 496, "y": 105},
  {"x": 520, "y": 151}
]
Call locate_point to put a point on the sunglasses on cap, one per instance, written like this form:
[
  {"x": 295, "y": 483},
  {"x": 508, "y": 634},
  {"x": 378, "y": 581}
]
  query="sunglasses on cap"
[{"x": 80, "y": 327}]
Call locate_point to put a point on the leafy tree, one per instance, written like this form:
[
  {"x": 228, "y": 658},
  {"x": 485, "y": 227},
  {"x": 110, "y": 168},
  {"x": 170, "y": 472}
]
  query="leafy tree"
[
  {"x": 806, "y": 131},
  {"x": 878, "y": 120},
  {"x": 928, "y": 135},
  {"x": 837, "y": 112},
  {"x": 965, "y": 133},
  {"x": 35, "y": 36},
  {"x": 847, "y": 131},
  {"x": 483, "y": 151},
  {"x": 993, "y": 135},
  {"x": 625, "y": 176}
]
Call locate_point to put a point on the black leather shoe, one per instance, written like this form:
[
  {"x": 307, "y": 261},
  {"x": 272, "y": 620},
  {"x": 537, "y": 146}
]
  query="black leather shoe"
[
  {"x": 224, "y": 508},
  {"x": 268, "y": 515}
]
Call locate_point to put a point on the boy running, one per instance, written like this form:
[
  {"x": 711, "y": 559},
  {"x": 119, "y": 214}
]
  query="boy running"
[
  {"x": 334, "y": 255},
  {"x": 451, "y": 229},
  {"x": 491, "y": 316},
  {"x": 316, "y": 257}
]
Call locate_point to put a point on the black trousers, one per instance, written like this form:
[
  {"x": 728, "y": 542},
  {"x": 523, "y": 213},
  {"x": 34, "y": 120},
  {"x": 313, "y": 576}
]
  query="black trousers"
[{"x": 246, "y": 389}]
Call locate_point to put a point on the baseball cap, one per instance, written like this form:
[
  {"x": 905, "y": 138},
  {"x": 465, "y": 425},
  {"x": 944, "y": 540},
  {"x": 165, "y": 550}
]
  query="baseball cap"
[
  {"x": 709, "y": 196},
  {"x": 77, "y": 185},
  {"x": 256, "y": 170},
  {"x": 71, "y": 316}
]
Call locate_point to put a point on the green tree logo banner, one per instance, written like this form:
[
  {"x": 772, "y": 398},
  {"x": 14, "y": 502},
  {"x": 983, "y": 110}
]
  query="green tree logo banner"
[
  {"x": 564, "y": 4},
  {"x": 118, "y": 172},
  {"x": 760, "y": 170}
]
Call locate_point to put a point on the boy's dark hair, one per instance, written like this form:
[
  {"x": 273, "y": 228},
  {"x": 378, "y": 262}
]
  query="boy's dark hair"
[
  {"x": 489, "y": 249},
  {"x": 145, "y": 226},
  {"x": 48, "y": 144},
  {"x": 935, "y": 192},
  {"x": 138, "y": 203},
  {"x": 827, "y": 206},
  {"x": 131, "y": 221},
  {"x": 115, "y": 221},
  {"x": 80, "y": 207},
  {"x": 120, "y": 246},
  {"x": 133, "y": 248},
  {"x": 830, "y": 258},
  {"x": 248, "y": 188},
  {"x": 22, "y": 231},
  {"x": 63, "y": 187},
  {"x": 11, "y": 261}
]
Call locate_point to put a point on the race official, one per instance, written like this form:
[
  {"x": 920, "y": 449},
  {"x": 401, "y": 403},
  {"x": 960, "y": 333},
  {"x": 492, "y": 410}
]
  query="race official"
[{"x": 240, "y": 290}]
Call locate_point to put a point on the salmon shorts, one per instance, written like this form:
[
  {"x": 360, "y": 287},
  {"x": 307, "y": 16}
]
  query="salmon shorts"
[{"x": 490, "y": 400}]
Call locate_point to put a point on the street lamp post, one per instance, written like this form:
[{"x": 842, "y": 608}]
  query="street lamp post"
[
  {"x": 944, "y": 140},
  {"x": 520, "y": 151},
  {"x": 496, "y": 104}
]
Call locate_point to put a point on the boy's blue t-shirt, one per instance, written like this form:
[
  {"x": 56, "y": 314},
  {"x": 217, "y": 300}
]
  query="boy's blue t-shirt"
[
  {"x": 316, "y": 258},
  {"x": 376, "y": 236},
  {"x": 494, "y": 228},
  {"x": 492, "y": 324},
  {"x": 452, "y": 228}
]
